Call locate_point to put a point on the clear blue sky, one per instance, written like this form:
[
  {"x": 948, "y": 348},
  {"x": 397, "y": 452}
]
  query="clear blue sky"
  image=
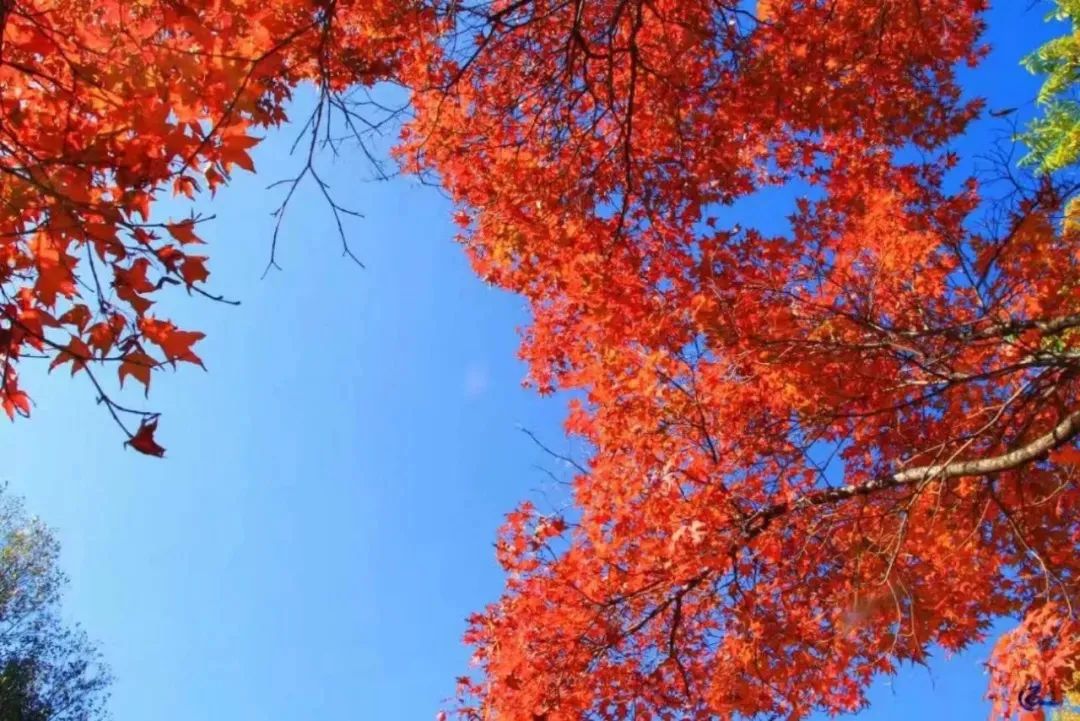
[{"x": 323, "y": 520}]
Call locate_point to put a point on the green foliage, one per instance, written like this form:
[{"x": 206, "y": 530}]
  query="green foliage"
[
  {"x": 48, "y": 671},
  {"x": 1053, "y": 140},
  {"x": 18, "y": 699}
]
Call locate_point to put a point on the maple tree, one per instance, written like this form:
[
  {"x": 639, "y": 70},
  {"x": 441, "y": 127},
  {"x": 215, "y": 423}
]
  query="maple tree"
[
  {"x": 107, "y": 106},
  {"x": 815, "y": 454}
]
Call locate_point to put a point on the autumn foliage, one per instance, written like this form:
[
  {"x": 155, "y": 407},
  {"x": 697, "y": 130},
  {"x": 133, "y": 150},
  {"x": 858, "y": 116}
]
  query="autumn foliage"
[
  {"x": 817, "y": 454},
  {"x": 107, "y": 106}
]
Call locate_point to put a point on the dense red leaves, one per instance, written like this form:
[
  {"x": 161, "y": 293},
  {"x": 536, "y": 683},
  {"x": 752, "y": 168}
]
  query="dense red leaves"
[
  {"x": 817, "y": 454},
  {"x": 106, "y": 106}
]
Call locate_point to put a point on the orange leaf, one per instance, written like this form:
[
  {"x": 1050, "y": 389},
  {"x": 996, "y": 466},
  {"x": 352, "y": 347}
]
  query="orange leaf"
[
  {"x": 194, "y": 269},
  {"x": 185, "y": 186},
  {"x": 103, "y": 335},
  {"x": 77, "y": 316},
  {"x": 16, "y": 402},
  {"x": 233, "y": 156},
  {"x": 77, "y": 352},
  {"x": 169, "y": 256},
  {"x": 1068, "y": 455},
  {"x": 184, "y": 232},
  {"x": 139, "y": 365},
  {"x": 131, "y": 282},
  {"x": 174, "y": 342},
  {"x": 143, "y": 440},
  {"x": 139, "y": 202}
]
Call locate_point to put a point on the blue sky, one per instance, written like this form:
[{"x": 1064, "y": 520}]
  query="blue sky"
[{"x": 323, "y": 520}]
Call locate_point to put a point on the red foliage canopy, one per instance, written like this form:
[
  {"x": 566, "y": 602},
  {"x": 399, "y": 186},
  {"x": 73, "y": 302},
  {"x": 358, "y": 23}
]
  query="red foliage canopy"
[
  {"x": 816, "y": 454},
  {"x": 105, "y": 106}
]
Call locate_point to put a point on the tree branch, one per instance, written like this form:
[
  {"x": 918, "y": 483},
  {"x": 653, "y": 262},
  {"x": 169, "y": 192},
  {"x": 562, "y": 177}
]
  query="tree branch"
[{"x": 1060, "y": 434}]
